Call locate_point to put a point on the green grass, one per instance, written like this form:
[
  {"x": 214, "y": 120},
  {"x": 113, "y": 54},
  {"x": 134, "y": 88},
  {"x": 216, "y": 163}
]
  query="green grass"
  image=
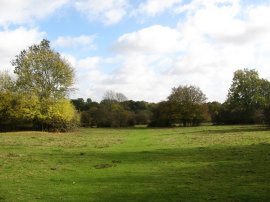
[{"x": 207, "y": 163}]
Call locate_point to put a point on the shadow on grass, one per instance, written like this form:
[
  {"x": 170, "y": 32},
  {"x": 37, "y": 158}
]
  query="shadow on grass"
[
  {"x": 208, "y": 128},
  {"x": 238, "y": 173},
  {"x": 235, "y": 129},
  {"x": 201, "y": 174}
]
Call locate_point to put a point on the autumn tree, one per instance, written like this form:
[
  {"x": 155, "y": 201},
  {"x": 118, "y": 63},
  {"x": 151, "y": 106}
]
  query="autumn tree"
[
  {"x": 42, "y": 71},
  {"x": 7, "y": 100},
  {"x": 44, "y": 80}
]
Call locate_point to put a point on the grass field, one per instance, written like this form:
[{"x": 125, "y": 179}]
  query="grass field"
[{"x": 207, "y": 163}]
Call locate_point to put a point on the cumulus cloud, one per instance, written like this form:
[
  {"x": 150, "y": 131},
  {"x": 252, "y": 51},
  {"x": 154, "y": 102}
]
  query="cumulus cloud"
[
  {"x": 74, "y": 42},
  {"x": 107, "y": 11},
  {"x": 89, "y": 63},
  {"x": 154, "y": 7},
  {"x": 20, "y": 12},
  {"x": 14, "y": 41},
  {"x": 138, "y": 79},
  {"x": 157, "y": 38},
  {"x": 90, "y": 80}
]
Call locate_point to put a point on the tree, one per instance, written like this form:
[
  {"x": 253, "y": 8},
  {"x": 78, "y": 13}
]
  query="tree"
[
  {"x": 120, "y": 97},
  {"x": 6, "y": 99},
  {"x": 162, "y": 115},
  {"x": 214, "y": 110},
  {"x": 187, "y": 103},
  {"x": 44, "y": 80},
  {"x": 247, "y": 97},
  {"x": 143, "y": 117},
  {"x": 79, "y": 104},
  {"x": 7, "y": 83},
  {"x": 42, "y": 71},
  {"x": 136, "y": 106},
  {"x": 113, "y": 115},
  {"x": 245, "y": 89},
  {"x": 18, "y": 111},
  {"x": 59, "y": 116},
  {"x": 111, "y": 96}
]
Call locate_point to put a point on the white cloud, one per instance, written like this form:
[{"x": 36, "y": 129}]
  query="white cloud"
[
  {"x": 107, "y": 11},
  {"x": 88, "y": 76},
  {"x": 14, "y": 41},
  {"x": 156, "y": 38},
  {"x": 194, "y": 5},
  {"x": 138, "y": 79},
  {"x": 89, "y": 63},
  {"x": 74, "y": 42},
  {"x": 154, "y": 7},
  {"x": 20, "y": 12}
]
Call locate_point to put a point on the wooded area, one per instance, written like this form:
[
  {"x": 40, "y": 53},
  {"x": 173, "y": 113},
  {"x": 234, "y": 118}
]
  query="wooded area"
[
  {"x": 248, "y": 102},
  {"x": 38, "y": 99}
]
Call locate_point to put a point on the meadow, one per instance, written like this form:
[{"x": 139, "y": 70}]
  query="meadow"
[{"x": 206, "y": 163}]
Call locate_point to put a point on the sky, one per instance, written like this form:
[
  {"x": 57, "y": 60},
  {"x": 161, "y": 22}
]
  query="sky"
[{"x": 143, "y": 48}]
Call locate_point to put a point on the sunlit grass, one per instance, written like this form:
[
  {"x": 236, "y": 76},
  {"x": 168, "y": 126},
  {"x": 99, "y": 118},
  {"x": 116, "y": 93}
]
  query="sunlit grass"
[{"x": 207, "y": 163}]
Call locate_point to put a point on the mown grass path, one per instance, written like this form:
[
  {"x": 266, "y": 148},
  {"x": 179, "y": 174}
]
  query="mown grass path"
[{"x": 207, "y": 163}]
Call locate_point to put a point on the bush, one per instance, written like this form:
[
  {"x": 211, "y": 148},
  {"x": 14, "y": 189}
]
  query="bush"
[
  {"x": 58, "y": 115},
  {"x": 19, "y": 112}
]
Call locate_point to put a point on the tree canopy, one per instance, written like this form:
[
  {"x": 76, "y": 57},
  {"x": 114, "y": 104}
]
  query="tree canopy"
[
  {"x": 42, "y": 71},
  {"x": 187, "y": 103},
  {"x": 185, "y": 106},
  {"x": 187, "y": 95},
  {"x": 245, "y": 90},
  {"x": 247, "y": 100}
]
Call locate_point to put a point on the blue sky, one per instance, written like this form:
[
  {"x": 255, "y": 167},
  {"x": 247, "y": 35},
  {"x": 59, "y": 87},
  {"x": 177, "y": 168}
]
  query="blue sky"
[{"x": 143, "y": 48}]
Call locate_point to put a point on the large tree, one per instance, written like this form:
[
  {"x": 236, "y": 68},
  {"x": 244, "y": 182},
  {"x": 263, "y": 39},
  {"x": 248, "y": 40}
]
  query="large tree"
[
  {"x": 247, "y": 97},
  {"x": 37, "y": 99},
  {"x": 245, "y": 89},
  {"x": 187, "y": 103},
  {"x": 42, "y": 71}
]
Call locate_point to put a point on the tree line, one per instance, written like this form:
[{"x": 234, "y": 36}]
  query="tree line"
[
  {"x": 115, "y": 110},
  {"x": 37, "y": 98},
  {"x": 248, "y": 102}
]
